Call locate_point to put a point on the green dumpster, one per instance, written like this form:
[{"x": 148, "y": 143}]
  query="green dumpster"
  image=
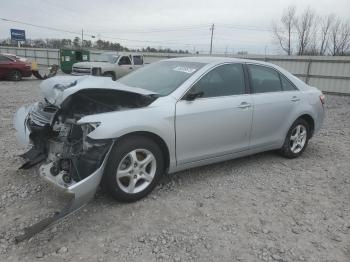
[{"x": 70, "y": 57}]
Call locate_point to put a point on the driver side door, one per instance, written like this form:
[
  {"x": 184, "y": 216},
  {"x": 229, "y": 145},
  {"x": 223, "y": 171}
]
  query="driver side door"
[{"x": 218, "y": 122}]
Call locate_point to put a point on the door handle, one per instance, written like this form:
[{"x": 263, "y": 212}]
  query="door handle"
[
  {"x": 130, "y": 67},
  {"x": 244, "y": 105},
  {"x": 295, "y": 99}
]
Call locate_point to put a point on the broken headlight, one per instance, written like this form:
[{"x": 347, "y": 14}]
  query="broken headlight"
[{"x": 89, "y": 127}]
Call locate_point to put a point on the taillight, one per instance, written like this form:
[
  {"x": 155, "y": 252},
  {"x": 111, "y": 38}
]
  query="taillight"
[{"x": 322, "y": 99}]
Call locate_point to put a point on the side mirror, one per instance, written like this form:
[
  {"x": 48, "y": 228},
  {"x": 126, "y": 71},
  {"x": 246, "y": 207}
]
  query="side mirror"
[{"x": 190, "y": 96}]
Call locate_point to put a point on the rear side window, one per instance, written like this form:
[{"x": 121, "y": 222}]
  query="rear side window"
[
  {"x": 287, "y": 85},
  {"x": 138, "y": 60},
  {"x": 223, "y": 80},
  {"x": 264, "y": 79},
  {"x": 124, "y": 60}
]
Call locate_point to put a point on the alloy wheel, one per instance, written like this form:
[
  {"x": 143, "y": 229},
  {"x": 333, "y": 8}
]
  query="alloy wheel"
[
  {"x": 136, "y": 171},
  {"x": 298, "y": 138},
  {"x": 16, "y": 76}
]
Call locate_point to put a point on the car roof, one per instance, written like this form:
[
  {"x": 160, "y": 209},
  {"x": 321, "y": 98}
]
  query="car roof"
[
  {"x": 214, "y": 60},
  {"x": 5, "y": 54}
]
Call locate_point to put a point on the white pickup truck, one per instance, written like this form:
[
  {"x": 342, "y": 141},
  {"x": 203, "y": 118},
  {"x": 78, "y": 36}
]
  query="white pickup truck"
[{"x": 110, "y": 65}]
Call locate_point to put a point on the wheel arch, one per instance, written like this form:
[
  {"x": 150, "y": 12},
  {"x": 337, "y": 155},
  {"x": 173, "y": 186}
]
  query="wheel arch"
[
  {"x": 157, "y": 139},
  {"x": 110, "y": 72},
  {"x": 311, "y": 122},
  {"x": 19, "y": 70}
]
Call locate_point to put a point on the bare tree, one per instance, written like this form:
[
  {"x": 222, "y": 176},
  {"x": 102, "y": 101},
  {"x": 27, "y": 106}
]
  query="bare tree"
[
  {"x": 326, "y": 25},
  {"x": 305, "y": 26},
  {"x": 284, "y": 33},
  {"x": 334, "y": 48},
  {"x": 345, "y": 38},
  {"x": 311, "y": 34},
  {"x": 340, "y": 38},
  {"x": 313, "y": 48}
]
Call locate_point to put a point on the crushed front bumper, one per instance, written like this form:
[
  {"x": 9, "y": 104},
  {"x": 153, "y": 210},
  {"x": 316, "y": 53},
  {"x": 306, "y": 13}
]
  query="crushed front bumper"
[
  {"x": 80, "y": 193},
  {"x": 19, "y": 123}
]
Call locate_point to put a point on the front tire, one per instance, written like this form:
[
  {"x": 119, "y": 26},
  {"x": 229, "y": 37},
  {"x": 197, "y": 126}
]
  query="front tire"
[
  {"x": 110, "y": 74},
  {"x": 296, "y": 140},
  {"x": 134, "y": 168},
  {"x": 15, "y": 75}
]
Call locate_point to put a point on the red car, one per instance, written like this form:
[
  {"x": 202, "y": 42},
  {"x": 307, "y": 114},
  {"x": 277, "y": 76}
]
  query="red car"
[{"x": 13, "y": 68}]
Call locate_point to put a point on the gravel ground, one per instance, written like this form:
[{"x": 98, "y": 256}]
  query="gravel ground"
[{"x": 258, "y": 208}]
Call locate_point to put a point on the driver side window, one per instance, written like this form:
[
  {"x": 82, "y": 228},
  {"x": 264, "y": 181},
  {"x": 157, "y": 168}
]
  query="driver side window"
[
  {"x": 124, "y": 60},
  {"x": 224, "y": 80}
]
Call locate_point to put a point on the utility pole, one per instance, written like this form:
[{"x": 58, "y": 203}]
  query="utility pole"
[
  {"x": 82, "y": 38},
  {"x": 211, "y": 39}
]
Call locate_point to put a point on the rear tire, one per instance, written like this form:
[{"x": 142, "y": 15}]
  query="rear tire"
[
  {"x": 15, "y": 75},
  {"x": 135, "y": 166},
  {"x": 296, "y": 140},
  {"x": 110, "y": 74}
]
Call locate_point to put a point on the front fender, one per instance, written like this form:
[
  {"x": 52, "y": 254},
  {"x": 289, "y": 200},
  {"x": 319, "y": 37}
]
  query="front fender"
[
  {"x": 158, "y": 120},
  {"x": 105, "y": 69}
]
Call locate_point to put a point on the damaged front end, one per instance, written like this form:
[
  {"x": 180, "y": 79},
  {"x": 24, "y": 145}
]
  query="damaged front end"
[{"x": 70, "y": 160}]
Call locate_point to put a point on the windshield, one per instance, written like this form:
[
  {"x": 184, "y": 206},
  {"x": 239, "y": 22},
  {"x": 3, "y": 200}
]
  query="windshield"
[
  {"x": 161, "y": 77},
  {"x": 108, "y": 58},
  {"x": 10, "y": 57}
]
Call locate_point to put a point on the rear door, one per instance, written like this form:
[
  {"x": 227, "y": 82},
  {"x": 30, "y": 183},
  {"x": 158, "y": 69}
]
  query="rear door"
[
  {"x": 125, "y": 66},
  {"x": 219, "y": 121},
  {"x": 137, "y": 61},
  {"x": 275, "y": 101}
]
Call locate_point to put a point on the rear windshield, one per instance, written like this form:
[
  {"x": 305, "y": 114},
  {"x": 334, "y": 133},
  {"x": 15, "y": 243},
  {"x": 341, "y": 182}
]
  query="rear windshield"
[
  {"x": 107, "y": 58},
  {"x": 161, "y": 77}
]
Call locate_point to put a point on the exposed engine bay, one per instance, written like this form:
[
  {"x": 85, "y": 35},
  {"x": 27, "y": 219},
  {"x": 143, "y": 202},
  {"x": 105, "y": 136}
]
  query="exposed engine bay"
[
  {"x": 69, "y": 159},
  {"x": 56, "y": 137}
]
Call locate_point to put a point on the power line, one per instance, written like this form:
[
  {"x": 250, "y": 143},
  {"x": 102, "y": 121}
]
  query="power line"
[
  {"x": 40, "y": 26},
  {"x": 79, "y": 33},
  {"x": 143, "y": 41},
  {"x": 155, "y": 42},
  {"x": 160, "y": 30},
  {"x": 152, "y": 30},
  {"x": 245, "y": 27}
]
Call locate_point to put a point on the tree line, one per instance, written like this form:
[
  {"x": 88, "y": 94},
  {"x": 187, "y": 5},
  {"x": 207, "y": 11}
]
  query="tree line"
[
  {"x": 76, "y": 43},
  {"x": 307, "y": 33}
]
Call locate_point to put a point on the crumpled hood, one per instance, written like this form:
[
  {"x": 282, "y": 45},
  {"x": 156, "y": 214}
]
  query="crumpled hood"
[
  {"x": 58, "y": 88},
  {"x": 92, "y": 64}
]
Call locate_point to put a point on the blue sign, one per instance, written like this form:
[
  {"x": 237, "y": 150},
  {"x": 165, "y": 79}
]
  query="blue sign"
[{"x": 18, "y": 35}]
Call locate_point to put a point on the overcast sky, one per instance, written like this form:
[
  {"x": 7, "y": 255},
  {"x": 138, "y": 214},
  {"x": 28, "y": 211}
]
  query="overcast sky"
[{"x": 239, "y": 25}]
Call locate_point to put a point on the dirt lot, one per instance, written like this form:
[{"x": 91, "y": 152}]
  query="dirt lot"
[{"x": 258, "y": 208}]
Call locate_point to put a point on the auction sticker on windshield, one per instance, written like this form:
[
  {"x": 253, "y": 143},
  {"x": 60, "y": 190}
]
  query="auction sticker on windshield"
[{"x": 184, "y": 69}]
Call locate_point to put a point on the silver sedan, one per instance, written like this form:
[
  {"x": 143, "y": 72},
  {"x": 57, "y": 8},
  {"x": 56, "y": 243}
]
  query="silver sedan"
[{"x": 166, "y": 117}]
